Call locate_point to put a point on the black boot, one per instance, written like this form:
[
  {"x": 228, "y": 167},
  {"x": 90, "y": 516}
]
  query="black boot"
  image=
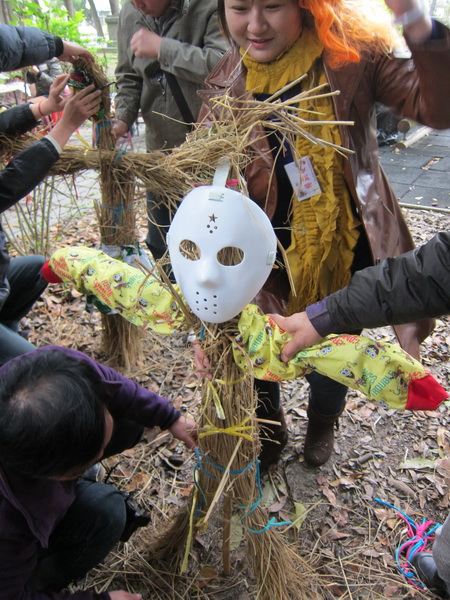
[
  {"x": 319, "y": 440},
  {"x": 425, "y": 567},
  {"x": 273, "y": 439}
]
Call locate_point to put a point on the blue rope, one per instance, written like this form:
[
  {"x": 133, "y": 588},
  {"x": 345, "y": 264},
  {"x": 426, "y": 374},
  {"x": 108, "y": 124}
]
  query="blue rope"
[
  {"x": 116, "y": 218},
  {"x": 119, "y": 154},
  {"x": 201, "y": 456},
  {"x": 407, "y": 517},
  {"x": 256, "y": 503},
  {"x": 419, "y": 537},
  {"x": 101, "y": 124},
  {"x": 271, "y": 523}
]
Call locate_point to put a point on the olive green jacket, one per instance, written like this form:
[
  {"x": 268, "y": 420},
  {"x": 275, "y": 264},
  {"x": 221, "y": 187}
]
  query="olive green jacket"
[{"x": 192, "y": 45}]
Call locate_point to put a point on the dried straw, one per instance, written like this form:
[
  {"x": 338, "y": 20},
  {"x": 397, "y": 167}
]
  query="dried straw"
[
  {"x": 234, "y": 126},
  {"x": 227, "y": 420},
  {"x": 232, "y": 442},
  {"x": 115, "y": 212}
]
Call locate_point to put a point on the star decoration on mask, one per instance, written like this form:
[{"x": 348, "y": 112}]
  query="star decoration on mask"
[{"x": 212, "y": 218}]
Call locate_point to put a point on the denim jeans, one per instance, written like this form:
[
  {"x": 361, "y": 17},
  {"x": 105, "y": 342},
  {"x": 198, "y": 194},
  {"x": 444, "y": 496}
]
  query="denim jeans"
[
  {"x": 26, "y": 283},
  {"x": 92, "y": 525},
  {"x": 90, "y": 528}
]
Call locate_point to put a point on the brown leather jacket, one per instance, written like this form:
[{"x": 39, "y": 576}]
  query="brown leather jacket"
[{"x": 416, "y": 87}]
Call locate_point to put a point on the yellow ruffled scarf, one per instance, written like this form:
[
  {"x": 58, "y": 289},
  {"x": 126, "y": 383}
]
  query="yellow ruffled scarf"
[{"x": 324, "y": 229}]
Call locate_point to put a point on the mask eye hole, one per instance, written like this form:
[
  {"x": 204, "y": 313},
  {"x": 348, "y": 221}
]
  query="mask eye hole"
[
  {"x": 189, "y": 250},
  {"x": 230, "y": 256}
]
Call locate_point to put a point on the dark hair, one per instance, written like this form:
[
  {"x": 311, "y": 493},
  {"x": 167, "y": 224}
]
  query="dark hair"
[
  {"x": 52, "y": 414},
  {"x": 223, "y": 22}
]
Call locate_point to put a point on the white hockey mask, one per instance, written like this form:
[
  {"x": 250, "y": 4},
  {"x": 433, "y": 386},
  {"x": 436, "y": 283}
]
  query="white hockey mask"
[{"x": 212, "y": 225}]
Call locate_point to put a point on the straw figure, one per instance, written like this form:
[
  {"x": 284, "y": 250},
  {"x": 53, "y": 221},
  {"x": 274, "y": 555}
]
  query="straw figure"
[
  {"x": 115, "y": 212},
  {"x": 227, "y": 472},
  {"x": 169, "y": 174}
]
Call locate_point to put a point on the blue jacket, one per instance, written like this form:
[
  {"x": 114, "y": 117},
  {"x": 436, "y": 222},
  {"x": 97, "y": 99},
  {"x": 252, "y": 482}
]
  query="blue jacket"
[{"x": 30, "y": 508}]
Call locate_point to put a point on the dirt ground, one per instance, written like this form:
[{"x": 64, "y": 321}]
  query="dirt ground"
[{"x": 346, "y": 536}]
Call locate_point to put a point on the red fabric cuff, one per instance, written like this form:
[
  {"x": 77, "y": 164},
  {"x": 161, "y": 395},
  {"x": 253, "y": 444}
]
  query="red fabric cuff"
[
  {"x": 49, "y": 275},
  {"x": 425, "y": 394}
]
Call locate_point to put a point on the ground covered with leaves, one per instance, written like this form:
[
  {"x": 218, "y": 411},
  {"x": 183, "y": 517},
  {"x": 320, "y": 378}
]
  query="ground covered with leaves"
[{"x": 339, "y": 527}]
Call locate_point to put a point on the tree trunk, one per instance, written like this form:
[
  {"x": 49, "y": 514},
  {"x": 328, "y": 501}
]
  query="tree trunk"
[
  {"x": 96, "y": 18},
  {"x": 5, "y": 14},
  {"x": 115, "y": 6},
  {"x": 70, "y": 8}
]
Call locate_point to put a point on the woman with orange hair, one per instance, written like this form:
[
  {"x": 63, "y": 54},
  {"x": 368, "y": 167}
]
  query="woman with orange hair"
[{"x": 333, "y": 213}]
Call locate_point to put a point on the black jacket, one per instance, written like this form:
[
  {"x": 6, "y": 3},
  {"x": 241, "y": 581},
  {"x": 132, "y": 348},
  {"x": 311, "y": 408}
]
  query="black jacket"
[
  {"x": 26, "y": 46},
  {"x": 398, "y": 290},
  {"x": 21, "y": 46}
]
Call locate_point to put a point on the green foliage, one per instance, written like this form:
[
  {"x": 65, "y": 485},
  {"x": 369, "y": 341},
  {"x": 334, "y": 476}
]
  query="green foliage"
[{"x": 49, "y": 18}]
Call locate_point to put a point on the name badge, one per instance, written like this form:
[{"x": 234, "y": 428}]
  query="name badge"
[{"x": 303, "y": 179}]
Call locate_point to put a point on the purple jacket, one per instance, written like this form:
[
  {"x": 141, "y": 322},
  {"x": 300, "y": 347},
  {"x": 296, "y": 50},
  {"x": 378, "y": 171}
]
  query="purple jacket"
[{"x": 31, "y": 508}]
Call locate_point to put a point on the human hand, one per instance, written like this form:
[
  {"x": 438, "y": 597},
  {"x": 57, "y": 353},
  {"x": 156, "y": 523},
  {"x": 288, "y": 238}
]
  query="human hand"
[
  {"x": 185, "y": 430},
  {"x": 145, "y": 44},
  {"x": 77, "y": 109},
  {"x": 55, "y": 102},
  {"x": 299, "y": 326},
  {"x": 399, "y": 7},
  {"x": 414, "y": 16},
  {"x": 81, "y": 106},
  {"x": 119, "y": 128},
  {"x": 122, "y": 595},
  {"x": 72, "y": 50},
  {"x": 201, "y": 361}
]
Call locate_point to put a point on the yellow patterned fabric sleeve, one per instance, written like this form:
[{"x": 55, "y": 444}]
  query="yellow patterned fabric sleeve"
[
  {"x": 137, "y": 297},
  {"x": 382, "y": 372}
]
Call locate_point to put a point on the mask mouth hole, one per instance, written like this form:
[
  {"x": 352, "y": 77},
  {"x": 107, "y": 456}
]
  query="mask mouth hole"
[
  {"x": 230, "y": 256},
  {"x": 189, "y": 250}
]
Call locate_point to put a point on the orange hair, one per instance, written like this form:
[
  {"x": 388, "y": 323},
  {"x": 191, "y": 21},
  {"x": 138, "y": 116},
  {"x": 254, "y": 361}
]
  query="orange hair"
[{"x": 348, "y": 27}]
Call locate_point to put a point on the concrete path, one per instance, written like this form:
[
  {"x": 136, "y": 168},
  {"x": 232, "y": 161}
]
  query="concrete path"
[{"x": 420, "y": 174}]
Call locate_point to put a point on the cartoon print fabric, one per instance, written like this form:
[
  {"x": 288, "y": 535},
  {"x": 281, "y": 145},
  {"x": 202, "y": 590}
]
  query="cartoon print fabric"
[{"x": 383, "y": 372}]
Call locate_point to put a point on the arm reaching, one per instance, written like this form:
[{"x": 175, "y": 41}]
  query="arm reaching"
[
  {"x": 381, "y": 371},
  {"x": 414, "y": 16},
  {"x": 78, "y": 108},
  {"x": 72, "y": 50},
  {"x": 185, "y": 430},
  {"x": 302, "y": 331},
  {"x": 55, "y": 102}
]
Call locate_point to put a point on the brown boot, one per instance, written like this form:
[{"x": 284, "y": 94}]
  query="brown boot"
[
  {"x": 319, "y": 440},
  {"x": 273, "y": 439}
]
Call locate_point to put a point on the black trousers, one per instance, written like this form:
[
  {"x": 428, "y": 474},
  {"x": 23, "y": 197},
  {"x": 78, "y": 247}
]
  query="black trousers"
[{"x": 24, "y": 276}]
